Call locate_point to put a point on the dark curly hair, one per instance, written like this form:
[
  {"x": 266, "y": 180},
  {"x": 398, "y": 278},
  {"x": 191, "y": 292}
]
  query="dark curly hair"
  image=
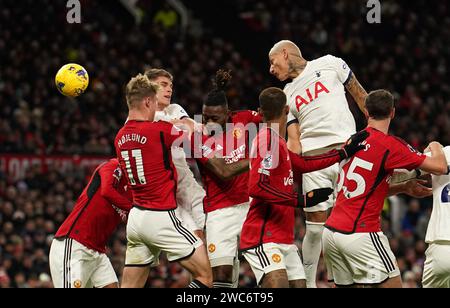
[{"x": 218, "y": 97}]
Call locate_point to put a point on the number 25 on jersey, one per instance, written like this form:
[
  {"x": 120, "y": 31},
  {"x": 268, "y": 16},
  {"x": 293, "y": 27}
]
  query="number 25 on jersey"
[{"x": 353, "y": 175}]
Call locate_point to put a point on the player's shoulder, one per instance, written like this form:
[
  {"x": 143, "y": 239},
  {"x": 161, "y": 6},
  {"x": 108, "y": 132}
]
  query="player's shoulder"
[
  {"x": 110, "y": 165},
  {"x": 447, "y": 151},
  {"x": 176, "y": 110},
  {"x": 396, "y": 143},
  {"x": 161, "y": 125},
  {"x": 327, "y": 60},
  {"x": 113, "y": 163},
  {"x": 240, "y": 116},
  {"x": 287, "y": 88}
]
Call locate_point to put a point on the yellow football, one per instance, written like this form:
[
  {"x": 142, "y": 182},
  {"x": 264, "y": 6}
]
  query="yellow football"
[{"x": 72, "y": 80}]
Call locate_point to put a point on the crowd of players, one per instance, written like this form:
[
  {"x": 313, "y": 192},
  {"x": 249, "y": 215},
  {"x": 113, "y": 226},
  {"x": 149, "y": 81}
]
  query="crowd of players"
[{"x": 72, "y": 197}]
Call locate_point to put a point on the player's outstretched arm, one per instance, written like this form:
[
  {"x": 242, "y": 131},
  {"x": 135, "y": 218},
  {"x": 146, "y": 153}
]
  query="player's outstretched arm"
[
  {"x": 357, "y": 91},
  {"x": 413, "y": 188},
  {"x": 314, "y": 197},
  {"x": 227, "y": 171},
  {"x": 403, "y": 175},
  {"x": 301, "y": 164},
  {"x": 437, "y": 163}
]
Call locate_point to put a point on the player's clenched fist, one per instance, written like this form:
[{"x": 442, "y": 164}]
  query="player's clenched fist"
[
  {"x": 314, "y": 197},
  {"x": 353, "y": 144}
]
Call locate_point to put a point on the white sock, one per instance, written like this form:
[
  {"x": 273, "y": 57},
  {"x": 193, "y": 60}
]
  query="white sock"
[{"x": 311, "y": 248}]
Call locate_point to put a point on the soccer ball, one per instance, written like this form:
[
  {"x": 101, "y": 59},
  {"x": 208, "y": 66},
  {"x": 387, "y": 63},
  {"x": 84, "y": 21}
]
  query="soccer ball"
[{"x": 72, "y": 80}]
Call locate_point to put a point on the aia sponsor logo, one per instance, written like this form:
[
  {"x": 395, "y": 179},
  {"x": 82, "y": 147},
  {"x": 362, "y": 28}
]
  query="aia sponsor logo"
[{"x": 311, "y": 95}]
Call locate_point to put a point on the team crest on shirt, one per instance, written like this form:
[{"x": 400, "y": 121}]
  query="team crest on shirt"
[
  {"x": 211, "y": 248},
  {"x": 276, "y": 258},
  {"x": 77, "y": 284},
  {"x": 267, "y": 162},
  {"x": 117, "y": 174},
  {"x": 237, "y": 133}
]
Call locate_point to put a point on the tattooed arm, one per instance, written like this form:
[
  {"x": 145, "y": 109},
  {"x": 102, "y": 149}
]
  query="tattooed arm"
[
  {"x": 226, "y": 171},
  {"x": 357, "y": 91}
]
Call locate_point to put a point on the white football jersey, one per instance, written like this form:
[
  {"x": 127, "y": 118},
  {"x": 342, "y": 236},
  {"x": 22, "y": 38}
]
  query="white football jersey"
[
  {"x": 439, "y": 225},
  {"x": 317, "y": 102},
  {"x": 171, "y": 112},
  {"x": 189, "y": 193}
]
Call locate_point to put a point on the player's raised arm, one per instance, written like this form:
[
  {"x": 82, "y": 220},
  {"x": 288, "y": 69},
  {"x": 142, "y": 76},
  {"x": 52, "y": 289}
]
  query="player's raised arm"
[{"x": 357, "y": 91}]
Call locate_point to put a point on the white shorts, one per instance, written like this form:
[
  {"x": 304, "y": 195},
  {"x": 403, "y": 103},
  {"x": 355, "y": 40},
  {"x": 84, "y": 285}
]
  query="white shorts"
[
  {"x": 321, "y": 179},
  {"x": 189, "y": 193},
  {"x": 73, "y": 265},
  {"x": 186, "y": 217},
  {"x": 271, "y": 257},
  {"x": 223, "y": 231},
  {"x": 436, "y": 271},
  {"x": 362, "y": 258},
  {"x": 150, "y": 232}
]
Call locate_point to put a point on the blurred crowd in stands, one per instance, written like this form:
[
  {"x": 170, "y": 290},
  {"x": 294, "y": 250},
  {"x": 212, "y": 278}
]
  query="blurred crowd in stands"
[{"x": 408, "y": 54}]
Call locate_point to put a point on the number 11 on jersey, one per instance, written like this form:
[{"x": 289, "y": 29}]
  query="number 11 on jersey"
[{"x": 139, "y": 166}]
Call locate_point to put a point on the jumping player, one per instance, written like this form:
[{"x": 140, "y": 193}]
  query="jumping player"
[
  {"x": 267, "y": 238},
  {"x": 356, "y": 251}
]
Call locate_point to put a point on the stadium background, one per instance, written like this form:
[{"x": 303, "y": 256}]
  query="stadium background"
[{"x": 49, "y": 144}]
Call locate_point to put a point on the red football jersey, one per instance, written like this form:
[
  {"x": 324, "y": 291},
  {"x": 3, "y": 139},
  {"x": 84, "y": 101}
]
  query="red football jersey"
[
  {"x": 364, "y": 182},
  {"x": 272, "y": 211},
  {"x": 100, "y": 208},
  {"x": 233, "y": 146},
  {"x": 144, "y": 152}
]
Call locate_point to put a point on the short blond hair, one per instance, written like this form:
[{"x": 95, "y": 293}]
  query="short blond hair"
[{"x": 138, "y": 88}]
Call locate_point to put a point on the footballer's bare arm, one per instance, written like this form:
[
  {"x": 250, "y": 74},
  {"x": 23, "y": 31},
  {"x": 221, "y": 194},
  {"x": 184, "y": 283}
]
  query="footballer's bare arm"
[
  {"x": 357, "y": 91},
  {"x": 293, "y": 141},
  {"x": 227, "y": 171}
]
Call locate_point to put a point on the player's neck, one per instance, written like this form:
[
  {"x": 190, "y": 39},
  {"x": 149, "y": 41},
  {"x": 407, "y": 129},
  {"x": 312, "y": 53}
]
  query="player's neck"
[
  {"x": 160, "y": 107},
  {"x": 137, "y": 115},
  {"x": 381, "y": 125},
  {"x": 277, "y": 126},
  {"x": 296, "y": 67}
]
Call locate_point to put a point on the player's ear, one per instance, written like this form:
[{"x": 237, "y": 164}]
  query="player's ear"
[
  {"x": 148, "y": 102},
  {"x": 285, "y": 54},
  {"x": 366, "y": 113},
  {"x": 392, "y": 113},
  {"x": 286, "y": 109}
]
